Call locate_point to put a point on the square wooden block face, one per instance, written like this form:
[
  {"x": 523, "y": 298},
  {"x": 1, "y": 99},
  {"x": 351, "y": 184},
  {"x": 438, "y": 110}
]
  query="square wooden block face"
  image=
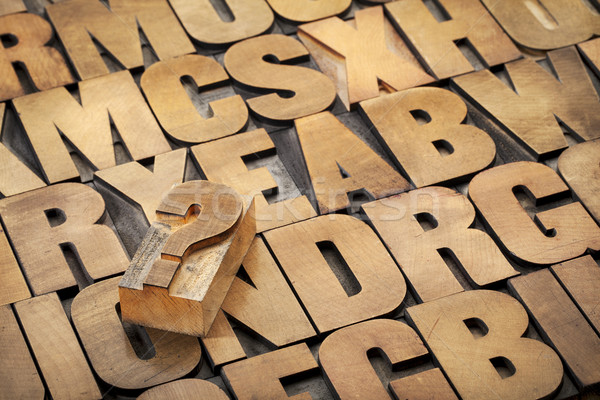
[{"x": 182, "y": 290}]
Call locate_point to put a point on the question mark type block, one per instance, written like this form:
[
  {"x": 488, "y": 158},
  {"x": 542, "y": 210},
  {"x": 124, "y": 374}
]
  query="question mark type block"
[{"x": 188, "y": 259}]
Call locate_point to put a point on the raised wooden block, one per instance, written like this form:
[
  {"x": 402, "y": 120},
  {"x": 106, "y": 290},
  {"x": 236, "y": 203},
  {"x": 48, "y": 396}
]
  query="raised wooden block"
[{"x": 186, "y": 264}]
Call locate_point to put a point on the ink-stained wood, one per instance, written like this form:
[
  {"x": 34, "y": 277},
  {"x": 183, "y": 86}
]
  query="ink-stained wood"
[
  {"x": 415, "y": 147},
  {"x": 116, "y": 29},
  {"x": 113, "y": 98},
  {"x": 42, "y": 222},
  {"x": 580, "y": 168},
  {"x": 18, "y": 373},
  {"x": 185, "y": 389},
  {"x": 417, "y": 249},
  {"x": 111, "y": 353},
  {"x": 468, "y": 358},
  {"x": 359, "y": 54},
  {"x": 531, "y": 115},
  {"x": 561, "y": 324},
  {"x": 311, "y": 91},
  {"x": 45, "y": 66},
  {"x": 15, "y": 177},
  {"x": 204, "y": 24},
  {"x": 11, "y": 7},
  {"x": 308, "y": 10},
  {"x": 338, "y": 163},
  {"x": 382, "y": 287},
  {"x": 427, "y": 385},
  {"x": 435, "y": 42},
  {"x": 260, "y": 376},
  {"x": 181, "y": 273},
  {"x": 545, "y": 24},
  {"x": 581, "y": 279},
  {"x": 173, "y": 108},
  {"x": 56, "y": 349},
  {"x": 143, "y": 187},
  {"x": 222, "y": 161},
  {"x": 549, "y": 237},
  {"x": 346, "y": 365},
  {"x": 13, "y": 287},
  {"x": 266, "y": 305}
]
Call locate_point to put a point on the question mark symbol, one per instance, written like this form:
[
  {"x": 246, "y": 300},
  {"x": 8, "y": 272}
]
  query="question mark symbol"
[{"x": 203, "y": 213}]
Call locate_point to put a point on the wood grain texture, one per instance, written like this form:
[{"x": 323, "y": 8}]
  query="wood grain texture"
[
  {"x": 531, "y": 115},
  {"x": 116, "y": 29},
  {"x": 44, "y": 65},
  {"x": 417, "y": 250},
  {"x": 111, "y": 353},
  {"x": 266, "y": 306},
  {"x": 413, "y": 146},
  {"x": 338, "y": 163},
  {"x": 185, "y": 389},
  {"x": 467, "y": 359},
  {"x": 561, "y": 324},
  {"x": 346, "y": 365},
  {"x": 18, "y": 373},
  {"x": 183, "y": 269},
  {"x": 204, "y": 24},
  {"x": 427, "y": 385},
  {"x": 590, "y": 51},
  {"x": 11, "y": 7},
  {"x": 545, "y": 24},
  {"x": 38, "y": 244},
  {"x": 260, "y": 376},
  {"x": 550, "y": 236},
  {"x": 357, "y": 55},
  {"x": 581, "y": 279},
  {"x": 56, "y": 349},
  {"x": 382, "y": 287},
  {"x": 435, "y": 42},
  {"x": 13, "y": 286},
  {"x": 15, "y": 176},
  {"x": 87, "y": 126},
  {"x": 580, "y": 168},
  {"x": 308, "y": 10},
  {"x": 311, "y": 91},
  {"x": 222, "y": 161},
  {"x": 162, "y": 86},
  {"x": 145, "y": 188}
]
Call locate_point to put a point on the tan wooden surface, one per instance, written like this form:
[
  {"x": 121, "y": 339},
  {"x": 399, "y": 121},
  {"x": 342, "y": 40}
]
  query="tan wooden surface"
[
  {"x": 144, "y": 187},
  {"x": 435, "y": 41},
  {"x": 173, "y": 108},
  {"x": 580, "y": 168},
  {"x": 14, "y": 285},
  {"x": 38, "y": 244},
  {"x": 185, "y": 389},
  {"x": 356, "y": 55},
  {"x": 233, "y": 172},
  {"x": 311, "y": 90},
  {"x": 18, "y": 373},
  {"x": 343, "y": 356},
  {"x": 94, "y": 311},
  {"x": 56, "y": 349},
  {"x": 561, "y": 323},
  {"x": 417, "y": 250},
  {"x": 382, "y": 288},
  {"x": 204, "y": 24},
  {"x": 259, "y": 377},
  {"x": 339, "y": 162},
  {"x": 465, "y": 358},
  {"x": 308, "y": 10},
  {"x": 413, "y": 145},
  {"x": 431, "y": 384},
  {"x": 45, "y": 66},
  {"x": 12, "y": 6},
  {"x": 530, "y": 115},
  {"x": 549, "y": 237}
]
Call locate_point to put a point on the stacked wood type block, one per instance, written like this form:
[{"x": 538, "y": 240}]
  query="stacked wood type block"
[{"x": 306, "y": 199}]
